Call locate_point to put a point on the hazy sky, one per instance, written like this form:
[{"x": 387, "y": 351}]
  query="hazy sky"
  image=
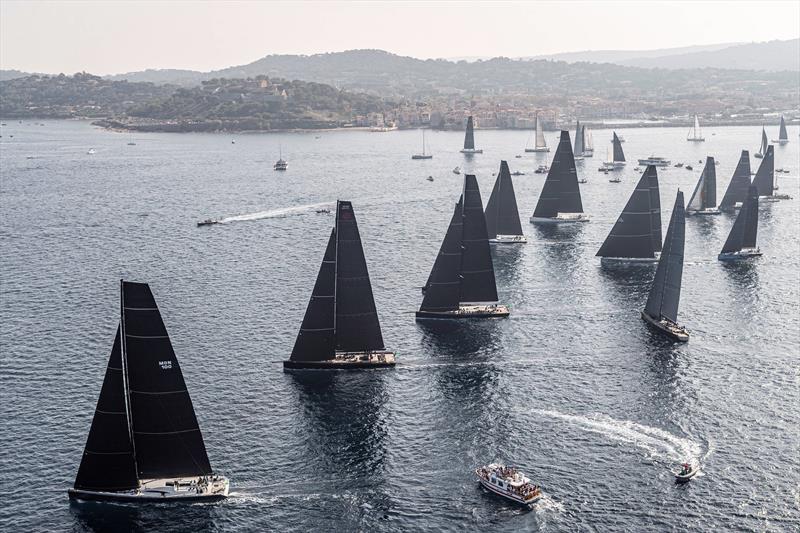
[{"x": 108, "y": 37}]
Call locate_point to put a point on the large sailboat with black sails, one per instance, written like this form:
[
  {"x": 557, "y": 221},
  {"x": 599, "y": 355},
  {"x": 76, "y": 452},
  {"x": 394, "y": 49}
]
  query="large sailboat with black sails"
[
  {"x": 145, "y": 444},
  {"x": 704, "y": 197},
  {"x": 341, "y": 330},
  {"x": 736, "y": 193},
  {"x": 502, "y": 215},
  {"x": 741, "y": 241},
  {"x": 461, "y": 283},
  {"x": 764, "y": 179},
  {"x": 560, "y": 199},
  {"x": 661, "y": 310},
  {"x": 469, "y": 139},
  {"x": 636, "y": 236}
]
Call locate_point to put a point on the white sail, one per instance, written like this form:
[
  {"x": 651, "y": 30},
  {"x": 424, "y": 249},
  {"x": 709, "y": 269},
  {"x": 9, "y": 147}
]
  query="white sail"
[
  {"x": 540, "y": 141},
  {"x": 589, "y": 141},
  {"x": 695, "y": 134}
]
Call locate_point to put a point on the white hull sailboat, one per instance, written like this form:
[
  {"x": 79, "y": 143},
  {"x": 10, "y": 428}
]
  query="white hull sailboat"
[
  {"x": 541, "y": 143},
  {"x": 695, "y": 134},
  {"x": 423, "y": 155},
  {"x": 560, "y": 199}
]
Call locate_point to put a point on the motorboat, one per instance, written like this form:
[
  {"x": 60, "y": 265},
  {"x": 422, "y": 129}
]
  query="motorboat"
[
  {"x": 689, "y": 167},
  {"x": 323, "y": 211},
  {"x": 429, "y": 178},
  {"x": 517, "y": 173},
  {"x": 541, "y": 169},
  {"x": 509, "y": 482},
  {"x": 687, "y": 472},
  {"x": 208, "y": 222},
  {"x": 615, "y": 179},
  {"x": 678, "y": 165},
  {"x": 518, "y": 156},
  {"x": 457, "y": 170},
  {"x": 655, "y": 160},
  {"x": 90, "y": 151}
]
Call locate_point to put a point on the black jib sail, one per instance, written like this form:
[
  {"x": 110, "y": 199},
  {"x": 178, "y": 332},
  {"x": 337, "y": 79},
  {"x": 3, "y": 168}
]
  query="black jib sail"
[
  {"x": 745, "y": 228},
  {"x": 783, "y": 135},
  {"x": 578, "y": 152},
  {"x": 166, "y": 437},
  {"x": 705, "y": 193},
  {"x": 655, "y": 207},
  {"x": 631, "y": 236},
  {"x": 502, "y": 216},
  {"x": 469, "y": 136},
  {"x": 765, "y": 175},
  {"x": 665, "y": 293},
  {"x": 740, "y": 182},
  {"x": 619, "y": 155},
  {"x": 108, "y": 462},
  {"x": 357, "y": 326},
  {"x": 561, "y": 192},
  {"x": 477, "y": 271},
  {"x": 444, "y": 283},
  {"x": 316, "y": 339}
]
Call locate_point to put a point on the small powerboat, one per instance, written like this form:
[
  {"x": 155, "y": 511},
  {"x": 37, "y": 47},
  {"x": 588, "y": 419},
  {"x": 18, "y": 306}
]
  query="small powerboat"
[
  {"x": 517, "y": 173},
  {"x": 687, "y": 472},
  {"x": 615, "y": 179},
  {"x": 542, "y": 169},
  {"x": 323, "y": 211},
  {"x": 518, "y": 156},
  {"x": 457, "y": 170},
  {"x": 90, "y": 151},
  {"x": 678, "y": 165},
  {"x": 689, "y": 167},
  {"x": 207, "y": 222},
  {"x": 509, "y": 482},
  {"x": 429, "y": 178}
]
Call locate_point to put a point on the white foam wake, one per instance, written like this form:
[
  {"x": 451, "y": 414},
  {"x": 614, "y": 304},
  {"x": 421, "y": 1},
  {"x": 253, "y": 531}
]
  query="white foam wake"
[
  {"x": 658, "y": 443},
  {"x": 277, "y": 213}
]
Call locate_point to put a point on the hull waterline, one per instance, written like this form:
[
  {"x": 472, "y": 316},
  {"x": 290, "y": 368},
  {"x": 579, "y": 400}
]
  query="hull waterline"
[{"x": 679, "y": 336}]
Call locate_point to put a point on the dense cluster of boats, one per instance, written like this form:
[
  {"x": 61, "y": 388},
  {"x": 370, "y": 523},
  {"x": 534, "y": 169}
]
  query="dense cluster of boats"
[{"x": 145, "y": 443}]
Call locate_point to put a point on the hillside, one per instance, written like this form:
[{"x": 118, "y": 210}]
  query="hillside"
[{"x": 770, "y": 56}]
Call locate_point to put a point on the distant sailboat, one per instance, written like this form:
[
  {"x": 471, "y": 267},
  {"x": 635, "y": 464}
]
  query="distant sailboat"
[
  {"x": 280, "y": 164},
  {"x": 617, "y": 162},
  {"x": 588, "y": 143},
  {"x": 661, "y": 310},
  {"x": 695, "y": 134},
  {"x": 764, "y": 180},
  {"x": 145, "y": 444},
  {"x": 736, "y": 192},
  {"x": 541, "y": 143},
  {"x": 341, "y": 329},
  {"x": 577, "y": 151},
  {"x": 560, "y": 199},
  {"x": 704, "y": 197},
  {"x": 762, "y": 150},
  {"x": 741, "y": 242},
  {"x": 783, "y": 135},
  {"x": 423, "y": 155},
  {"x": 461, "y": 283},
  {"x": 636, "y": 236},
  {"x": 502, "y": 216},
  {"x": 469, "y": 139}
]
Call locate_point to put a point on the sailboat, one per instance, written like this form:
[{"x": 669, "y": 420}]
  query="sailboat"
[
  {"x": 741, "y": 242},
  {"x": 502, "y": 216},
  {"x": 560, "y": 199},
  {"x": 588, "y": 143},
  {"x": 736, "y": 192},
  {"x": 783, "y": 136},
  {"x": 340, "y": 329},
  {"x": 577, "y": 152},
  {"x": 541, "y": 143},
  {"x": 617, "y": 162},
  {"x": 661, "y": 310},
  {"x": 636, "y": 236},
  {"x": 145, "y": 444},
  {"x": 461, "y": 283},
  {"x": 280, "y": 164},
  {"x": 704, "y": 197},
  {"x": 762, "y": 150},
  {"x": 469, "y": 139},
  {"x": 764, "y": 180},
  {"x": 423, "y": 155},
  {"x": 695, "y": 134}
]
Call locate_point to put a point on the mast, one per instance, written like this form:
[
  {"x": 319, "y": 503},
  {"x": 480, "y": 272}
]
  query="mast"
[
  {"x": 316, "y": 340},
  {"x": 477, "y": 271},
  {"x": 662, "y": 302},
  {"x": 561, "y": 192},
  {"x": 783, "y": 135},
  {"x": 108, "y": 462},
  {"x": 166, "y": 436},
  {"x": 502, "y": 216},
  {"x": 469, "y": 136},
  {"x": 357, "y": 325},
  {"x": 443, "y": 285},
  {"x": 631, "y": 235},
  {"x": 619, "y": 155},
  {"x": 578, "y": 150},
  {"x": 540, "y": 140},
  {"x": 737, "y": 188},
  {"x": 764, "y": 181},
  {"x": 745, "y": 227}
]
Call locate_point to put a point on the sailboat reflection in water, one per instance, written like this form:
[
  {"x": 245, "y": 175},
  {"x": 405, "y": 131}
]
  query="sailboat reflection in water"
[
  {"x": 341, "y": 329},
  {"x": 144, "y": 444}
]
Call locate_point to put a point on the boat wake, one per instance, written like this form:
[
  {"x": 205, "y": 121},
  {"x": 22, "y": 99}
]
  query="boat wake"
[
  {"x": 658, "y": 443},
  {"x": 277, "y": 213}
]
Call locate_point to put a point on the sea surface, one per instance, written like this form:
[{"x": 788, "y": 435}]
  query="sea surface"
[{"x": 573, "y": 387}]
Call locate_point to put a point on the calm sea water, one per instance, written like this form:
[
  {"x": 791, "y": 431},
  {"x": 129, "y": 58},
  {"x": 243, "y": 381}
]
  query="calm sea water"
[{"x": 573, "y": 388}]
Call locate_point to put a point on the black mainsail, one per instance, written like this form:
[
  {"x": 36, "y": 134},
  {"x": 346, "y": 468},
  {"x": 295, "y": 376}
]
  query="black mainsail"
[
  {"x": 108, "y": 463},
  {"x": 705, "y": 193},
  {"x": 502, "y": 215},
  {"x": 632, "y": 235},
  {"x": 745, "y": 228},
  {"x": 665, "y": 293},
  {"x": 167, "y": 440},
  {"x": 783, "y": 135},
  {"x": 469, "y": 136},
  {"x": 740, "y": 182},
  {"x": 764, "y": 181},
  {"x": 443, "y": 288},
  {"x": 560, "y": 192},
  {"x": 341, "y": 314},
  {"x": 655, "y": 207},
  {"x": 619, "y": 155},
  {"x": 477, "y": 270}
]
